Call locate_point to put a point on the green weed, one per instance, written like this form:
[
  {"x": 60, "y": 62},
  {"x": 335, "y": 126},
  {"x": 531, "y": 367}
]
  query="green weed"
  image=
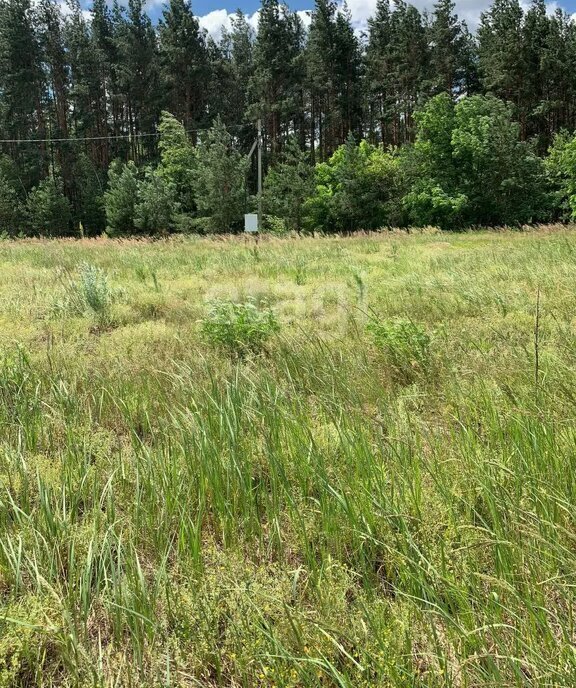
[
  {"x": 362, "y": 507},
  {"x": 239, "y": 328},
  {"x": 405, "y": 345}
]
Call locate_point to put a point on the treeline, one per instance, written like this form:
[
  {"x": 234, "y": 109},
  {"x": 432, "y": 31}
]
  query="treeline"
[{"x": 416, "y": 122}]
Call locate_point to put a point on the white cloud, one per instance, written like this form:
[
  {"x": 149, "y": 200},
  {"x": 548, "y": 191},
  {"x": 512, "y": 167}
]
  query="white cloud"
[
  {"x": 217, "y": 20},
  {"x": 305, "y": 17},
  {"x": 361, "y": 11}
]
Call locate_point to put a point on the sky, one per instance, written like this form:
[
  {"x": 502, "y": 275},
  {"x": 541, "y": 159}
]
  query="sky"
[{"x": 215, "y": 13}]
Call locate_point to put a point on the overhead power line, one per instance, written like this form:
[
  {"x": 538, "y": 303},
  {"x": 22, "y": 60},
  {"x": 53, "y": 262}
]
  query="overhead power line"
[
  {"x": 80, "y": 138},
  {"x": 110, "y": 137}
]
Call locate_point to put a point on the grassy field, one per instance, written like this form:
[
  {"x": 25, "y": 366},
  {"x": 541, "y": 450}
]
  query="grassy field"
[{"x": 381, "y": 494}]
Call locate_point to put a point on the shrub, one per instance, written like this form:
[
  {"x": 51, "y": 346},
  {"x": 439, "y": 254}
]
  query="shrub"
[
  {"x": 94, "y": 288},
  {"x": 89, "y": 292},
  {"x": 239, "y": 328},
  {"x": 275, "y": 225},
  {"x": 405, "y": 345},
  {"x": 358, "y": 187}
]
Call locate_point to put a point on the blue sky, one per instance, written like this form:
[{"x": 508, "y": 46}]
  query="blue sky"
[{"x": 214, "y": 13}]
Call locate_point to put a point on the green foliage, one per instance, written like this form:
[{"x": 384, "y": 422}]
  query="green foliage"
[
  {"x": 220, "y": 179},
  {"x": 357, "y": 188},
  {"x": 288, "y": 185},
  {"x": 429, "y": 204},
  {"x": 177, "y": 160},
  {"x": 468, "y": 166},
  {"x": 156, "y": 208},
  {"x": 452, "y": 67},
  {"x": 11, "y": 211},
  {"x": 405, "y": 345},
  {"x": 185, "y": 69},
  {"x": 22, "y": 644},
  {"x": 121, "y": 198},
  {"x": 239, "y": 328},
  {"x": 132, "y": 86},
  {"x": 93, "y": 286},
  {"x": 275, "y": 225},
  {"x": 561, "y": 169},
  {"x": 501, "y": 175},
  {"x": 89, "y": 207},
  {"x": 47, "y": 209},
  {"x": 87, "y": 292}
]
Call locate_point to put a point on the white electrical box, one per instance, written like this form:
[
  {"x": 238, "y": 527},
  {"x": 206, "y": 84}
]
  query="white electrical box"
[{"x": 251, "y": 223}]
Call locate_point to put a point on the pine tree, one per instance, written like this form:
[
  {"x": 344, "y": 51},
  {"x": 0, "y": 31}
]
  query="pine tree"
[
  {"x": 241, "y": 52},
  {"x": 502, "y": 56},
  {"x": 12, "y": 220},
  {"x": 379, "y": 64},
  {"x": 557, "y": 68},
  {"x": 47, "y": 209},
  {"x": 184, "y": 63},
  {"x": 177, "y": 160},
  {"x": 108, "y": 98},
  {"x": 410, "y": 68},
  {"x": 334, "y": 67},
  {"x": 138, "y": 75},
  {"x": 535, "y": 30},
  {"x": 58, "y": 75},
  {"x": 450, "y": 51},
  {"x": 288, "y": 185},
  {"x": 220, "y": 179},
  {"x": 121, "y": 197},
  {"x": 156, "y": 208},
  {"x": 23, "y": 87},
  {"x": 277, "y": 79},
  {"x": 87, "y": 89},
  {"x": 347, "y": 73}
]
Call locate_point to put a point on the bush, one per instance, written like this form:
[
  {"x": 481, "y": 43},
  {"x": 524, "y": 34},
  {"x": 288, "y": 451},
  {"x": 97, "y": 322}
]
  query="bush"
[
  {"x": 561, "y": 171},
  {"x": 275, "y": 225},
  {"x": 239, "y": 328},
  {"x": 358, "y": 187},
  {"x": 186, "y": 224},
  {"x": 90, "y": 292},
  {"x": 405, "y": 345},
  {"x": 94, "y": 288}
]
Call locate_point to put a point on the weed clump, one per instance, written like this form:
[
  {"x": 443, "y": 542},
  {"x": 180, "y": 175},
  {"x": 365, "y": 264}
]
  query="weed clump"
[
  {"x": 89, "y": 292},
  {"x": 239, "y": 328},
  {"x": 405, "y": 346},
  {"x": 94, "y": 288}
]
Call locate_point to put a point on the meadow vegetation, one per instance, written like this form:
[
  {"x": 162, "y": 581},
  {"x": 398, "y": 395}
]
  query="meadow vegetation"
[{"x": 316, "y": 462}]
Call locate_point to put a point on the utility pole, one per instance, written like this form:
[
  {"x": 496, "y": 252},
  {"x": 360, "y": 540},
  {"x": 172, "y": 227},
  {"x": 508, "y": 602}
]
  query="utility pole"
[{"x": 259, "y": 144}]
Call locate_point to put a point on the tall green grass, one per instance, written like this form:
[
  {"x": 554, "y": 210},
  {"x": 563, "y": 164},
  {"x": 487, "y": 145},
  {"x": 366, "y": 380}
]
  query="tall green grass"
[{"x": 174, "y": 515}]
